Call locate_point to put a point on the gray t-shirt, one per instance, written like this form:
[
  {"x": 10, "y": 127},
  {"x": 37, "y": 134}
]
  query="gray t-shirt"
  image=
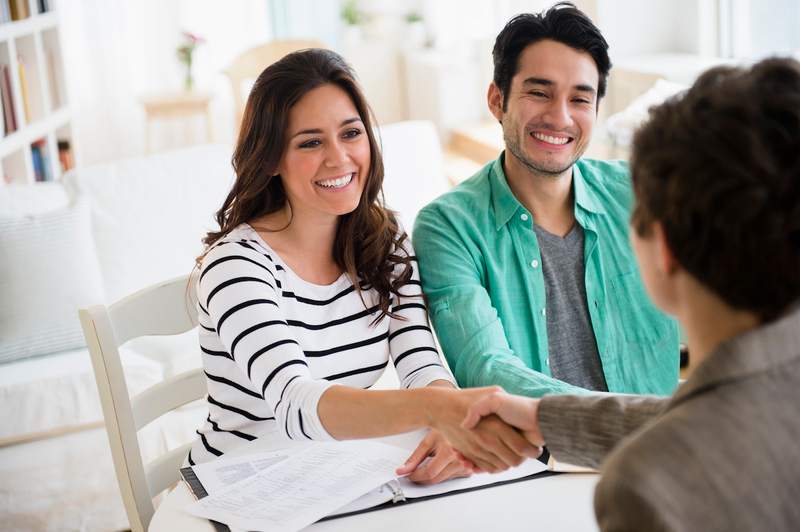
[{"x": 571, "y": 343}]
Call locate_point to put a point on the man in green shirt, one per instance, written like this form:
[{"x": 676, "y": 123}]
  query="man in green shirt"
[{"x": 527, "y": 265}]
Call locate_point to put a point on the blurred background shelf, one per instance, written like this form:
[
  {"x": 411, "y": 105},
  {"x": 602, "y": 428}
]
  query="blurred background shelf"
[{"x": 35, "y": 117}]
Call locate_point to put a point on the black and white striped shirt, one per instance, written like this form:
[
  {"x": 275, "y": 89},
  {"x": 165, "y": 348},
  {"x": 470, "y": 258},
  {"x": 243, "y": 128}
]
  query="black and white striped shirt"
[{"x": 272, "y": 343}]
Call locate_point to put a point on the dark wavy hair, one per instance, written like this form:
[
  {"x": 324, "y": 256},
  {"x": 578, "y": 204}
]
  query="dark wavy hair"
[
  {"x": 562, "y": 23},
  {"x": 719, "y": 167},
  {"x": 368, "y": 244}
]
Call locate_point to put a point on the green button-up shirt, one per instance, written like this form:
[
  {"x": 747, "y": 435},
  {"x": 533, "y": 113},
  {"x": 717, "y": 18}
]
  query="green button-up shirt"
[{"x": 481, "y": 270}]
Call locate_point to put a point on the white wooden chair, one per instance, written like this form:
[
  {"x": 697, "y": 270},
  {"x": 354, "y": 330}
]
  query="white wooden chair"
[
  {"x": 247, "y": 66},
  {"x": 162, "y": 309}
]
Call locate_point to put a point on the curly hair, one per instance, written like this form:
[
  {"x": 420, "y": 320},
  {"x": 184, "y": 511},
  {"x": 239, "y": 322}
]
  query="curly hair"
[
  {"x": 368, "y": 243},
  {"x": 719, "y": 167}
]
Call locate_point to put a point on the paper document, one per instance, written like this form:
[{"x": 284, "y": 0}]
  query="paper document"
[
  {"x": 218, "y": 474},
  {"x": 234, "y": 484},
  {"x": 294, "y": 492}
]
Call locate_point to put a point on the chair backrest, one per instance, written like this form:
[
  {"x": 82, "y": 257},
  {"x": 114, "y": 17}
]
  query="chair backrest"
[
  {"x": 249, "y": 64},
  {"x": 162, "y": 309}
]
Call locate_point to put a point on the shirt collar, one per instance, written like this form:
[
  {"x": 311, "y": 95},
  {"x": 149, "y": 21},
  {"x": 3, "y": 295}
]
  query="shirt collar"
[
  {"x": 503, "y": 200},
  {"x": 506, "y": 204},
  {"x": 584, "y": 198}
]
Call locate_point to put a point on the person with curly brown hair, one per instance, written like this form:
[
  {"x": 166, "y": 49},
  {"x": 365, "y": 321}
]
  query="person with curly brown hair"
[
  {"x": 716, "y": 230},
  {"x": 310, "y": 287}
]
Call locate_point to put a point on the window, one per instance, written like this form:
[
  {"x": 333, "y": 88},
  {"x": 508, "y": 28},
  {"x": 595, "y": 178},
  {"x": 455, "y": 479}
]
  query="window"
[{"x": 753, "y": 29}]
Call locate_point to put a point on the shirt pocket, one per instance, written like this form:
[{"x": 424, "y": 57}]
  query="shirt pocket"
[{"x": 637, "y": 319}]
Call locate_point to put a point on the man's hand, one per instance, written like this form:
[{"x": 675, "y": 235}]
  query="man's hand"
[
  {"x": 519, "y": 412},
  {"x": 434, "y": 461},
  {"x": 491, "y": 445}
]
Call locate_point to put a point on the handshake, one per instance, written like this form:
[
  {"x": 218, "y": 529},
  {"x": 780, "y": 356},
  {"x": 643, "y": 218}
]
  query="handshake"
[{"x": 474, "y": 430}]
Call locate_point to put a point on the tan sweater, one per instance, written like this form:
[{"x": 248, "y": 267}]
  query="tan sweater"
[{"x": 722, "y": 454}]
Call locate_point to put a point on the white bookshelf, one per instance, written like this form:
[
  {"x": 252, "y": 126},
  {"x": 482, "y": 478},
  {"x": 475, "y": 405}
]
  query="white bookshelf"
[{"x": 30, "y": 51}]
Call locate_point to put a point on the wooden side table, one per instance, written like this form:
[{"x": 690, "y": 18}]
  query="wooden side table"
[{"x": 171, "y": 105}]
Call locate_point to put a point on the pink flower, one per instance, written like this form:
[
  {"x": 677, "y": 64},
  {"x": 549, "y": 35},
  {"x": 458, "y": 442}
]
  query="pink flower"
[{"x": 193, "y": 39}]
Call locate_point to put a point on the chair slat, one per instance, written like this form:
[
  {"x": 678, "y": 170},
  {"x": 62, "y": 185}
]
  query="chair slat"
[
  {"x": 163, "y": 309},
  {"x": 162, "y": 473},
  {"x": 168, "y": 395}
]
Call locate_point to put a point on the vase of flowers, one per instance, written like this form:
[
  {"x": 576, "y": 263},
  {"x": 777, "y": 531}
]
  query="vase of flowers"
[{"x": 185, "y": 52}]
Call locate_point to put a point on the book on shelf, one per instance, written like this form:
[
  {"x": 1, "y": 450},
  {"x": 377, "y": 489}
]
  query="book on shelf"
[
  {"x": 38, "y": 170},
  {"x": 2, "y": 111},
  {"x": 55, "y": 88},
  {"x": 5, "y": 11},
  {"x": 9, "y": 115},
  {"x": 41, "y": 163},
  {"x": 19, "y": 9},
  {"x": 23, "y": 88}
]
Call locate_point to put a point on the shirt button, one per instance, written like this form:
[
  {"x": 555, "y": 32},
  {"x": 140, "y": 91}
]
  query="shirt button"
[
  {"x": 535, "y": 263},
  {"x": 544, "y": 312},
  {"x": 523, "y": 217},
  {"x": 547, "y": 361}
]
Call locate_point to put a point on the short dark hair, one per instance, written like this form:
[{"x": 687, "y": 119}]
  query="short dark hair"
[
  {"x": 562, "y": 23},
  {"x": 719, "y": 167}
]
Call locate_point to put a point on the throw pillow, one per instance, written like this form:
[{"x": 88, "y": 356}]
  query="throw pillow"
[{"x": 48, "y": 269}]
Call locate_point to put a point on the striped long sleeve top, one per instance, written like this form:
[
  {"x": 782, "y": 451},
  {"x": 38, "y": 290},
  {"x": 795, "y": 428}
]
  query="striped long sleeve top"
[{"x": 273, "y": 343}]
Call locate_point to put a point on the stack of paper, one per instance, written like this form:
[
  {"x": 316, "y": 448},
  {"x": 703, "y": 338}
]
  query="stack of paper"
[{"x": 303, "y": 488}]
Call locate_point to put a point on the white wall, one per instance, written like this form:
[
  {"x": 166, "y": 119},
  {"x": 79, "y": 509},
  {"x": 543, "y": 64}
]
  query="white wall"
[
  {"x": 772, "y": 27},
  {"x": 117, "y": 50},
  {"x": 636, "y": 27}
]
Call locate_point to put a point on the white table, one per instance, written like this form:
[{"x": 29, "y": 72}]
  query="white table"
[{"x": 562, "y": 502}]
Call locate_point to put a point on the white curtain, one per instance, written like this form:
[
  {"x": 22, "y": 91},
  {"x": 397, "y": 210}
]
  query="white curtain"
[{"x": 116, "y": 51}]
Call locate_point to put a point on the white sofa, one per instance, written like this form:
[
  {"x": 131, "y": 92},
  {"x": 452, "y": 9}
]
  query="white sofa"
[{"x": 105, "y": 232}]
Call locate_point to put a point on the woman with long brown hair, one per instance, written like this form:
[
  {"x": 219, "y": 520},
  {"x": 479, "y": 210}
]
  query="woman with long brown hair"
[{"x": 310, "y": 286}]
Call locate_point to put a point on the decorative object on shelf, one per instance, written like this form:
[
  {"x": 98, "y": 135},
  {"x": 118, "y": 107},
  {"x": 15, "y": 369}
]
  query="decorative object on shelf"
[
  {"x": 353, "y": 17},
  {"x": 185, "y": 52},
  {"x": 416, "y": 32},
  {"x": 65, "y": 156}
]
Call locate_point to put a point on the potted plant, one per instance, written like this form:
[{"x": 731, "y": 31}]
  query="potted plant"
[
  {"x": 416, "y": 32},
  {"x": 353, "y": 17}
]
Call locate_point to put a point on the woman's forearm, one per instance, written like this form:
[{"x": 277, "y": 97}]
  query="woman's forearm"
[{"x": 349, "y": 413}]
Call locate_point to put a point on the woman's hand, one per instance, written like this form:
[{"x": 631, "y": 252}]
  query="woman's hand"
[
  {"x": 434, "y": 461},
  {"x": 491, "y": 444}
]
